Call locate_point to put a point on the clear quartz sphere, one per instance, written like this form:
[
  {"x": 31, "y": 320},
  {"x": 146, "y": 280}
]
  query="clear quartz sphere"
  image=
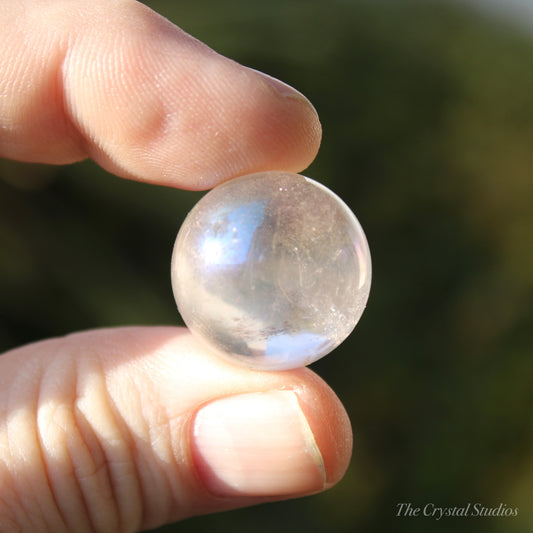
[{"x": 271, "y": 270}]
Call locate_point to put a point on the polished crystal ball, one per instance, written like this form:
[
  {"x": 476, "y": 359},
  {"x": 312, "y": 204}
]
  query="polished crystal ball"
[{"x": 271, "y": 270}]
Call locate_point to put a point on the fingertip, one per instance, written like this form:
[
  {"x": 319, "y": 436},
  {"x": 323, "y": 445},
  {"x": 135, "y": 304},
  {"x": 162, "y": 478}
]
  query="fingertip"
[
  {"x": 284, "y": 128},
  {"x": 330, "y": 425},
  {"x": 212, "y": 120}
]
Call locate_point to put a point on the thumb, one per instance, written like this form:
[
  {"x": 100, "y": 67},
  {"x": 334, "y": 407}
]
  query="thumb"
[{"x": 127, "y": 429}]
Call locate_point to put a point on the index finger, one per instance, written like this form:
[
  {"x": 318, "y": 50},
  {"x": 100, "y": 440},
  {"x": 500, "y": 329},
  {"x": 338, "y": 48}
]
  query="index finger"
[{"x": 114, "y": 81}]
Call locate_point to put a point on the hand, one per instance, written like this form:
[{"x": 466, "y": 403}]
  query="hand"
[{"x": 127, "y": 429}]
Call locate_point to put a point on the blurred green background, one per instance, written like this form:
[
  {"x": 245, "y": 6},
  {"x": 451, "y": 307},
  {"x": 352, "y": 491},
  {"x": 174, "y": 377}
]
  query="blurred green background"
[{"x": 427, "y": 111}]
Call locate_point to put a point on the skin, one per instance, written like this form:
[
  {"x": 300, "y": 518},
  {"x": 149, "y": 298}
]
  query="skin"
[{"x": 98, "y": 430}]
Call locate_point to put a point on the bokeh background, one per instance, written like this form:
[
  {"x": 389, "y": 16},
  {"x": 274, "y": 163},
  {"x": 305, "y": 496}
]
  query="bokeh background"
[{"x": 427, "y": 109}]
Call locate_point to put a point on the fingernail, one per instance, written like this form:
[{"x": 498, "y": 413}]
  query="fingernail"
[
  {"x": 283, "y": 89},
  {"x": 257, "y": 444}
]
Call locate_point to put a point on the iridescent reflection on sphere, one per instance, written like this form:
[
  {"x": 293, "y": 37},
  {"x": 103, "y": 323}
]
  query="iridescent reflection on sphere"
[{"x": 271, "y": 270}]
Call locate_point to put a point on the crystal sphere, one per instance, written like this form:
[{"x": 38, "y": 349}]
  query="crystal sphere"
[{"x": 271, "y": 270}]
